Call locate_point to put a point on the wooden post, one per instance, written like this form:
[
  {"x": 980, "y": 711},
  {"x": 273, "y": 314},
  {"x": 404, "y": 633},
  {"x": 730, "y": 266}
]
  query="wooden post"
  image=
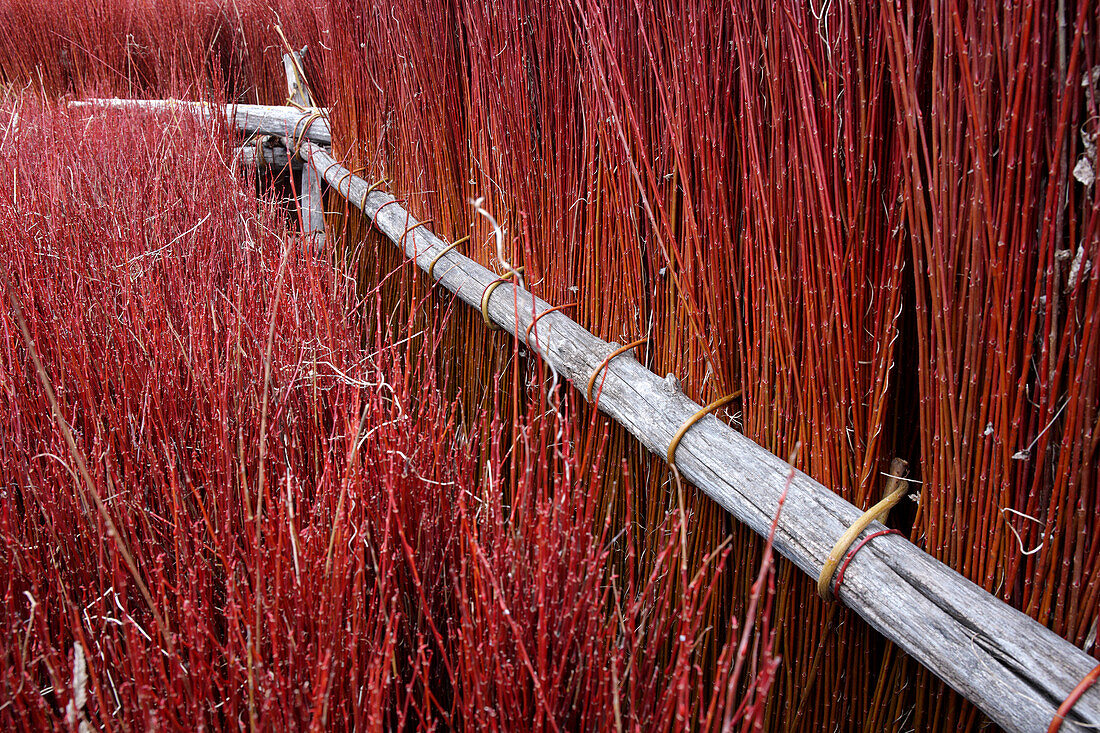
[
  {"x": 311, "y": 208},
  {"x": 297, "y": 90}
]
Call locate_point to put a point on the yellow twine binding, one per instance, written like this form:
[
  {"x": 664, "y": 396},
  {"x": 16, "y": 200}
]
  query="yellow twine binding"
[
  {"x": 489, "y": 291},
  {"x": 721, "y": 402},
  {"x": 448, "y": 248},
  {"x": 896, "y": 488}
]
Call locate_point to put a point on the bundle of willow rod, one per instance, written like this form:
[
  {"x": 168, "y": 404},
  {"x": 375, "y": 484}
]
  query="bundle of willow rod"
[
  {"x": 877, "y": 220},
  {"x": 928, "y": 609},
  {"x": 752, "y": 201}
]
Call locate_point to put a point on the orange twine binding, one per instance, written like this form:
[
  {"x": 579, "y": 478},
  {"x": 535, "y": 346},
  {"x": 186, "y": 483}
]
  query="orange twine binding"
[
  {"x": 308, "y": 121},
  {"x": 401, "y": 242},
  {"x": 448, "y": 248},
  {"x": 605, "y": 362},
  {"x": 850, "y": 555},
  {"x": 720, "y": 402},
  {"x": 548, "y": 311}
]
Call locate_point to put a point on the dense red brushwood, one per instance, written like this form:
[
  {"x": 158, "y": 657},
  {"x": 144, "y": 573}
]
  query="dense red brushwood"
[
  {"x": 1005, "y": 240},
  {"x": 503, "y": 120},
  {"x": 864, "y": 215},
  {"x": 781, "y": 198},
  {"x": 620, "y": 147},
  {"x": 263, "y": 518},
  {"x": 139, "y": 48},
  {"x": 819, "y": 301}
]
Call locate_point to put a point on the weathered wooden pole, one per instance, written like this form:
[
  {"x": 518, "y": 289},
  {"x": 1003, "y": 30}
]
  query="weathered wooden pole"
[
  {"x": 311, "y": 208},
  {"x": 252, "y": 119}
]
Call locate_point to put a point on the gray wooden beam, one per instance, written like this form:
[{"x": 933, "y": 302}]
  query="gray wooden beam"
[
  {"x": 252, "y": 119},
  {"x": 311, "y": 210}
]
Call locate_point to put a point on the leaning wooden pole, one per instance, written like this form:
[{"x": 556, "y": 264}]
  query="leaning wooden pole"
[
  {"x": 252, "y": 119},
  {"x": 1016, "y": 670},
  {"x": 311, "y": 207}
]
